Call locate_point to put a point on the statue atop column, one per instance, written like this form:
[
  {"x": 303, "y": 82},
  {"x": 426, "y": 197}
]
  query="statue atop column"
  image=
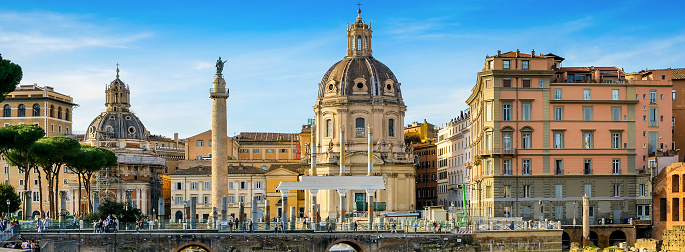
[{"x": 220, "y": 65}]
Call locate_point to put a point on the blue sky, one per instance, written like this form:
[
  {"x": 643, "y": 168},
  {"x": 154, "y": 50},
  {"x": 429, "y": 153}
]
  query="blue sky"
[{"x": 278, "y": 51}]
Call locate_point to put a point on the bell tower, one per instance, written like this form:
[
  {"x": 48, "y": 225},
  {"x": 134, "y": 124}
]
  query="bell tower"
[{"x": 359, "y": 38}]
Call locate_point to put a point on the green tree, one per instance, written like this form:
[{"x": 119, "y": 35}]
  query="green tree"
[
  {"x": 7, "y": 192},
  {"x": 88, "y": 161},
  {"x": 18, "y": 140},
  {"x": 125, "y": 212},
  {"x": 10, "y": 76},
  {"x": 51, "y": 153}
]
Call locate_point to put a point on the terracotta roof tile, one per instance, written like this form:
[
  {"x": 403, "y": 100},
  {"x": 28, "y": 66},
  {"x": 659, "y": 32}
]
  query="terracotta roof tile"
[
  {"x": 678, "y": 73},
  {"x": 291, "y": 167},
  {"x": 267, "y": 137}
]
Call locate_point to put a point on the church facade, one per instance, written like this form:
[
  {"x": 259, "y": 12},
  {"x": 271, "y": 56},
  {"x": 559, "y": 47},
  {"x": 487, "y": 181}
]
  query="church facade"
[{"x": 360, "y": 95}]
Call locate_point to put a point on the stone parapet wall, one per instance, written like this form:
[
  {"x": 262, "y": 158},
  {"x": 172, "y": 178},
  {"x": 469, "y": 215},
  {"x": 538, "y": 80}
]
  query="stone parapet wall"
[{"x": 529, "y": 240}]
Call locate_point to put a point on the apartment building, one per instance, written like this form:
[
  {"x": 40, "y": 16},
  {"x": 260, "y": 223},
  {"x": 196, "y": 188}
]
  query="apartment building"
[
  {"x": 426, "y": 175},
  {"x": 543, "y": 135},
  {"x": 453, "y": 153}
]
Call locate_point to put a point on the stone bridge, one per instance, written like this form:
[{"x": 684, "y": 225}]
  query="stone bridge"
[
  {"x": 549, "y": 240},
  {"x": 605, "y": 235}
]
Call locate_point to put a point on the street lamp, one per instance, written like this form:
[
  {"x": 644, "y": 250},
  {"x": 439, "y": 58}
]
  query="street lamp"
[
  {"x": 574, "y": 213},
  {"x": 8, "y": 208},
  {"x": 540, "y": 202}
]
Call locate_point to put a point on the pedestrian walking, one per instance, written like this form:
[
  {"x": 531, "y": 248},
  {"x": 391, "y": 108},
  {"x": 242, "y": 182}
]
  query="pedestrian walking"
[
  {"x": 355, "y": 226},
  {"x": 394, "y": 227}
]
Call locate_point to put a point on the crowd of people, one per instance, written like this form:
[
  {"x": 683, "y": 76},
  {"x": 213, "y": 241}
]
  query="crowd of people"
[
  {"x": 8, "y": 225},
  {"x": 23, "y": 244},
  {"x": 108, "y": 225}
]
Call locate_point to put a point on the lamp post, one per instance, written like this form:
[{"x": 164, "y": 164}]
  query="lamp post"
[
  {"x": 574, "y": 213},
  {"x": 8, "y": 209}
]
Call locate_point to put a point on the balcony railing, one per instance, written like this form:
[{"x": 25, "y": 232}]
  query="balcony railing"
[{"x": 499, "y": 151}]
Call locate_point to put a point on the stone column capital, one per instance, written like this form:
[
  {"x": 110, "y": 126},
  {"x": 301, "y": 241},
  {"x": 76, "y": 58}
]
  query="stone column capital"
[
  {"x": 314, "y": 191},
  {"x": 342, "y": 192},
  {"x": 284, "y": 193},
  {"x": 370, "y": 191}
]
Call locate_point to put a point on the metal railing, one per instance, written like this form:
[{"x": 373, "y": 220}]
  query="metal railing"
[{"x": 218, "y": 90}]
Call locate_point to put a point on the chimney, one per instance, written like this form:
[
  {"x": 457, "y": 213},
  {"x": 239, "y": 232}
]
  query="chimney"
[
  {"x": 517, "y": 53},
  {"x": 499, "y": 53},
  {"x": 532, "y": 53},
  {"x": 176, "y": 137}
]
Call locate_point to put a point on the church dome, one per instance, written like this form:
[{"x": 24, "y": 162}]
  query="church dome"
[
  {"x": 359, "y": 75},
  {"x": 117, "y": 122},
  {"x": 117, "y": 125}
]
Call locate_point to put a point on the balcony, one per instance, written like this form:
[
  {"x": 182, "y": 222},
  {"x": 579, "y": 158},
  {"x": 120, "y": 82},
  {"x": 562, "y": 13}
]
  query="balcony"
[
  {"x": 499, "y": 151},
  {"x": 218, "y": 92}
]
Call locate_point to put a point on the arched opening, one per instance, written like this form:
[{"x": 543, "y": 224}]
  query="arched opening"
[
  {"x": 565, "y": 241},
  {"x": 35, "y": 213},
  {"x": 178, "y": 216},
  {"x": 345, "y": 245},
  {"x": 66, "y": 114},
  {"x": 22, "y": 111},
  {"x": 36, "y": 109},
  {"x": 7, "y": 111},
  {"x": 52, "y": 111},
  {"x": 359, "y": 43},
  {"x": 594, "y": 238},
  {"x": 193, "y": 247},
  {"x": 617, "y": 237}
]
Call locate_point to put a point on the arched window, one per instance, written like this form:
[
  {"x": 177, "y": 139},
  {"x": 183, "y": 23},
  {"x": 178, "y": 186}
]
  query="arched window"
[
  {"x": 391, "y": 127},
  {"x": 366, "y": 43},
  {"x": 359, "y": 42},
  {"x": 52, "y": 111},
  {"x": 66, "y": 114},
  {"x": 59, "y": 113},
  {"x": 359, "y": 127},
  {"x": 329, "y": 128},
  {"x": 7, "y": 111},
  {"x": 36, "y": 109},
  {"x": 22, "y": 111}
]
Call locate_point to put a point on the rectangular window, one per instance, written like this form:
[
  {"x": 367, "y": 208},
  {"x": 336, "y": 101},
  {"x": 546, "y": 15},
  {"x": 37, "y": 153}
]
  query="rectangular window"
[
  {"x": 587, "y": 167},
  {"x": 642, "y": 190},
  {"x": 526, "y": 191},
  {"x": 652, "y": 96},
  {"x": 506, "y": 112},
  {"x": 205, "y": 200},
  {"x": 558, "y": 167},
  {"x": 506, "y": 142},
  {"x": 616, "y": 166},
  {"x": 588, "y": 139},
  {"x": 616, "y": 114},
  {"x": 200, "y": 143},
  {"x": 207, "y": 186},
  {"x": 525, "y": 82},
  {"x": 230, "y": 185},
  {"x": 258, "y": 185},
  {"x": 652, "y": 116},
  {"x": 525, "y": 167},
  {"x": 243, "y": 185},
  {"x": 244, "y": 151},
  {"x": 524, "y": 64},
  {"x": 541, "y": 83},
  {"x": 525, "y": 111},
  {"x": 587, "y": 113},
  {"x": 269, "y": 150},
  {"x": 558, "y": 191},
  {"x": 284, "y": 150},
  {"x": 231, "y": 199},
  {"x": 241, "y": 198},
  {"x": 179, "y": 186},
  {"x": 558, "y": 139},
  {"x": 491, "y": 64},
  {"x": 616, "y": 140},
  {"x": 526, "y": 140},
  {"x": 488, "y": 111},
  {"x": 559, "y": 212},
  {"x": 391, "y": 126},
  {"x": 329, "y": 128},
  {"x": 586, "y": 94},
  {"x": 557, "y": 94},
  {"x": 588, "y": 190},
  {"x": 673, "y": 94},
  {"x": 617, "y": 190},
  {"x": 506, "y": 167},
  {"x": 506, "y": 82},
  {"x": 193, "y": 186},
  {"x": 614, "y": 94},
  {"x": 488, "y": 191},
  {"x": 255, "y": 150},
  {"x": 360, "y": 127},
  {"x": 507, "y": 191},
  {"x": 558, "y": 113},
  {"x": 505, "y": 64},
  {"x": 179, "y": 200}
]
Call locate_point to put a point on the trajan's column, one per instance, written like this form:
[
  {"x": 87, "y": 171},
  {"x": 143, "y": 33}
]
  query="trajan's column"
[{"x": 219, "y": 93}]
